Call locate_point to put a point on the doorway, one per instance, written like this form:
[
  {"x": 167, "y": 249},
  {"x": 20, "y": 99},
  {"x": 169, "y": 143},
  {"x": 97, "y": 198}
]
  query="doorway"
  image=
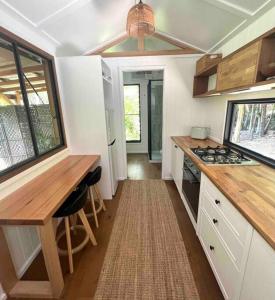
[{"x": 143, "y": 115}]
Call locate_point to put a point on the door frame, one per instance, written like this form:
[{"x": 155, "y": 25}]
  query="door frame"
[
  {"x": 149, "y": 94},
  {"x": 121, "y": 70}
]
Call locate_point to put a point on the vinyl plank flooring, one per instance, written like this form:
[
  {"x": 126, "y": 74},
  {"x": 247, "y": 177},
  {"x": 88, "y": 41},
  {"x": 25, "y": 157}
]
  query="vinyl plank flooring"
[
  {"x": 139, "y": 167},
  {"x": 88, "y": 263}
]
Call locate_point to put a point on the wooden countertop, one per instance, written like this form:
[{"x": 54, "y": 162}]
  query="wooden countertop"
[
  {"x": 35, "y": 202},
  {"x": 251, "y": 189}
]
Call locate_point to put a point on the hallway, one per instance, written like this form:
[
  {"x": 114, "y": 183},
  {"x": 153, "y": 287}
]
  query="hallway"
[{"x": 139, "y": 167}]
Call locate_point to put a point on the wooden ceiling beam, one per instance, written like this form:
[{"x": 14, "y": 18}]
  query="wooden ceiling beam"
[
  {"x": 16, "y": 81},
  {"x": 17, "y": 88},
  {"x": 7, "y": 66},
  {"x": 141, "y": 44},
  {"x": 30, "y": 69},
  {"x": 150, "y": 53},
  {"x": 111, "y": 44},
  {"x": 175, "y": 42}
]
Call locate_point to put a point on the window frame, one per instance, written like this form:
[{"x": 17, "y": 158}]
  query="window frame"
[
  {"x": 228, "y": 127},
  {"x": 18, "y": 42},
  {"x": 139, "y": 102}
]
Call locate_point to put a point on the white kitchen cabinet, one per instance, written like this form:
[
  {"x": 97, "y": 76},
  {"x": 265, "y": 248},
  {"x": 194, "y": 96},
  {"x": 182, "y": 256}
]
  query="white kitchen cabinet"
[
  {"x": 177, "y": 165},
  {"x": 174, "y": 160},
  {"x": 225, "y": 236},
  {"x": 259, "y": 278}
]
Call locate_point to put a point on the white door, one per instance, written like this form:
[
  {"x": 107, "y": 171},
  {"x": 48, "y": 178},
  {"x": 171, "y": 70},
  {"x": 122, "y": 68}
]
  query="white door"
[{"x": 111, "y": 148}]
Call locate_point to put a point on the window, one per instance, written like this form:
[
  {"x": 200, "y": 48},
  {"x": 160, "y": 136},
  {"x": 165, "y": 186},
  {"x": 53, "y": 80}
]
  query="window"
[
  {"x": 250, "y": 128},
  {"x": 30, "y": 125},
  {"x": 132, "y": 113}
]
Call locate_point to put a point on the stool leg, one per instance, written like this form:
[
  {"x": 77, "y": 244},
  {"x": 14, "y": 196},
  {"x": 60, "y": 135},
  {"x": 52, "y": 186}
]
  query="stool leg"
[
  {"x": 99, "y": 197},
  {"x": 69, "y": 244},
  {"x": 91, "y": 195},
  {"x": 86, "y": 224},
  {"x": 73, "y": 219}
]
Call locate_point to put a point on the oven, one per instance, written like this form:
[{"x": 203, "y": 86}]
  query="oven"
[{"x": 191, "y": 185}]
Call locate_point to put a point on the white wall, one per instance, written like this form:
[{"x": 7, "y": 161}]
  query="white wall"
[
  {"x": 81, "y": 89},
  {"x": 214, "y": 108},
  {"x": 178, "y": 104}
]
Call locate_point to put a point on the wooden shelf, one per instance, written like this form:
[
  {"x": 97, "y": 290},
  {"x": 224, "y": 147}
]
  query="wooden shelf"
[
  {"x": 207, "y": 65},
  {"x": 243, "y": 69},
  {"x": 248, "y": 88},
  {"x": 207, "y": 94},
  {"x": 209, "y": 71}
]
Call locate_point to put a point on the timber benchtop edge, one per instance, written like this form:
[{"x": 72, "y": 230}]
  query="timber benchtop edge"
[
  {"x": 36, "y": 201},
  {"x": 251, "y": 189}
]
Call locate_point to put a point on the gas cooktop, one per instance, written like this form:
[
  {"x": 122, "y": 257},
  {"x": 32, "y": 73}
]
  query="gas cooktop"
[{"x": 222, "y": 156}]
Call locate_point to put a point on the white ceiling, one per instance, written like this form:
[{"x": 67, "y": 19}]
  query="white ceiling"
[{"x": 78, "y": 26}]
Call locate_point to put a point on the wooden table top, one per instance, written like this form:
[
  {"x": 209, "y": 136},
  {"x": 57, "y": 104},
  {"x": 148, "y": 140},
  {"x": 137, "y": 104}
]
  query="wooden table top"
[
  {"x": 251, "y": 189},
  {"x": 35, "y": 202}
]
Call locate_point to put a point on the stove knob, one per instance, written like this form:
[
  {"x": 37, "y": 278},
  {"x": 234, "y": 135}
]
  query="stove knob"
[
  {"x": 217, "y": 201},
  {"x": 215, "y": 221}
]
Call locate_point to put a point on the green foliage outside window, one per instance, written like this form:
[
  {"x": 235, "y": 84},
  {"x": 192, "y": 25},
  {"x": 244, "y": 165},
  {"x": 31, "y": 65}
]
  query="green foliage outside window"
[{"x": 132, "y": 113}]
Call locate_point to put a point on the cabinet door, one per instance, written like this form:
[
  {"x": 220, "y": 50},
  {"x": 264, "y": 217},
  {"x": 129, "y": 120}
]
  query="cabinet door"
[
  {"x": 239, "y": 69},
  {"x": 179, "y": 166},
  {"x": 259, "y": 278},
  {"x": 174, "y": 161}
]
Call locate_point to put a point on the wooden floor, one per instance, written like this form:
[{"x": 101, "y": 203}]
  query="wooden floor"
[
  {"x": 82, "y": 284},
  {"x": 140, "y": 168}
]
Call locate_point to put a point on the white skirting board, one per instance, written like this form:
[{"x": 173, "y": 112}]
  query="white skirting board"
[{"x": 3, "y": 295}]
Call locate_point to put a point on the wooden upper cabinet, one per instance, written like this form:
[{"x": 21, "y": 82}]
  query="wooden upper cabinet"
[{"x": 239, "y": 69}]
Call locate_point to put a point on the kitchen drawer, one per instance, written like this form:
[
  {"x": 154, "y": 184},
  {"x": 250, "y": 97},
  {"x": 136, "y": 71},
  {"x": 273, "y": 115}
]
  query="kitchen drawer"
[
  {"x": 222, "y": 265},
  {"x": 233, "y": 244},
  {"x": 234, "y": 219}
]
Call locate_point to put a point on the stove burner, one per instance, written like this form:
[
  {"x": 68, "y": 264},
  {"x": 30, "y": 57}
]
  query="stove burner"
[
  {"x": 208, "y": 158},
  {"x": 221, "y": 150},
  {"x": 199, "y": 151},
  {"x": 211, "y": 151},
  {"x": 220, "y": 159},
  {"x": 221, "y": 155}
]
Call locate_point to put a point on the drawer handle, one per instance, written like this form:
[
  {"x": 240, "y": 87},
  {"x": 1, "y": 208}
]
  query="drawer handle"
[
  {"x": 176, "y": 146},
  {"x": 211, "y": 248},
  {"x": 215, "y": 221},
  {"x": 217, "y": 201}
]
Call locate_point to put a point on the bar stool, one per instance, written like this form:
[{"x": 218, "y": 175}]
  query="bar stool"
[
  {"x": 71, "y": 207},
  {"x": 91, "y": 180}
]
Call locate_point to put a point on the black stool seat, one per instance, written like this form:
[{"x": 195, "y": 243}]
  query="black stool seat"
[
  {"x": 74, "y": 202},
  {"x": 93, "y": 177}
]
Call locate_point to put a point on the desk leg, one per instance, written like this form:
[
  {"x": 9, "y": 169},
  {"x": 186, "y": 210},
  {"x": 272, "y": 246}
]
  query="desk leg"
[{"x": 52, "y": 262}]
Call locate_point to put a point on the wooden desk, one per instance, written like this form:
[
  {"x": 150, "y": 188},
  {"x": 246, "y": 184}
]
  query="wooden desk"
[{"x": 34, "y": 204}]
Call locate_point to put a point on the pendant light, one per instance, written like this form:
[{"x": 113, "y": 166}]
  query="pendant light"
[{"x": 140, "y": 21}]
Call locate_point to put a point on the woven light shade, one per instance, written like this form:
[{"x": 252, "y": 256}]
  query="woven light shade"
[{"x": 140, "y": 21}]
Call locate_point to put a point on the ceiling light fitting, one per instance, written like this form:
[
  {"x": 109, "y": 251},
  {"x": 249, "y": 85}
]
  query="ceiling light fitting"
[{"x": 140, "y": 21}]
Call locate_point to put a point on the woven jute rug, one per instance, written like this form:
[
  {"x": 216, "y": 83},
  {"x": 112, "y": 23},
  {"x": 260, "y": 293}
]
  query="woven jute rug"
[{"x": 146, "y": 257}]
